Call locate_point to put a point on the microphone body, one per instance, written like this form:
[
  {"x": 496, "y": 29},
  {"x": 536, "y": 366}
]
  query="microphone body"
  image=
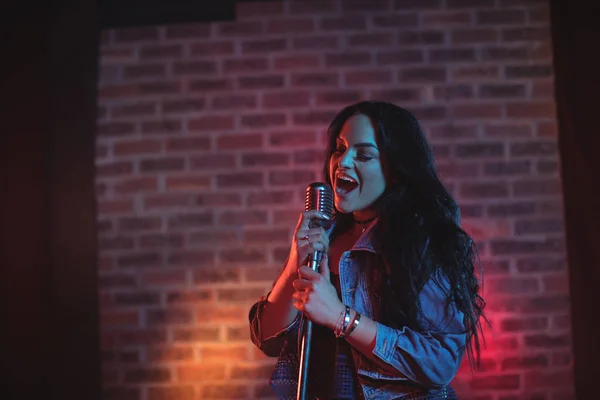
[{"x": 319, "y": 196}]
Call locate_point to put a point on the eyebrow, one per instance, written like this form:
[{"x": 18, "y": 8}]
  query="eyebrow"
[{"x": 362, "y": 144}]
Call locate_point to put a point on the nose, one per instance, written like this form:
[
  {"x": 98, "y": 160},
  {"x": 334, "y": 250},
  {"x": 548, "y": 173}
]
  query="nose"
[{"x": 345, "y": 160}]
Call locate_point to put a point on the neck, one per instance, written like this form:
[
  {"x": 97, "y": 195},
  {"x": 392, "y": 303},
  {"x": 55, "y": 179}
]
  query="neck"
[{"x": 363, "y": 216}]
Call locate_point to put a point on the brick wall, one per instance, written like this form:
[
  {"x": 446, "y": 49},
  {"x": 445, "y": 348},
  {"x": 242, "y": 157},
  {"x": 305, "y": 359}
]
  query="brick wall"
[{"x": 208, "y": 135}]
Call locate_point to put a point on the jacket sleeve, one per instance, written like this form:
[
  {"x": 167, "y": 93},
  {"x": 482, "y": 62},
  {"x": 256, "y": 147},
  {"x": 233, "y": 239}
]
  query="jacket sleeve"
[
  {"x": 272, "y": 345},
  {"x": 431, "y": 356}
]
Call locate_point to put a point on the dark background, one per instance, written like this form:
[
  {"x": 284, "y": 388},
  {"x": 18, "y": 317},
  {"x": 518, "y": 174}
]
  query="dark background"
[{"x": 49, "y": 305}]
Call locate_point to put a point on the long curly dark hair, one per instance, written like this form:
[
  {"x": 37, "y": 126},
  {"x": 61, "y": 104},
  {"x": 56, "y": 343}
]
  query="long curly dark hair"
[{"x": 418, "y": 233}]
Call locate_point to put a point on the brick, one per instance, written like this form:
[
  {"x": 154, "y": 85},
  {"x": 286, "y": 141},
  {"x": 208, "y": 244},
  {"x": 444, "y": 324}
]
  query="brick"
[
  {"x": 497, "y": 382},
  {"x": 539, "y": 15},
  {"x": 139, "y": 223},
  {"x": 144, "y": 71},
  {"x": 347, "y": 59},
  {"x": 265, "y": 159},
  {"x": 467, "y": 36},
  {"x": 228, "y": 391},
  {"x": 191, "y": 258},
  {"x": 453, "y": 92},
  {"x": 140, "y": 260},
  {"x": 267, "y": 46},
  {"x": 558, "y": 283},
  {"x": 119, "y": 392},
  {"x": 370, "y": 40},
  {"x": 155, "y": 240},
  {"x": 311, "y": 79},
  {"x": 143, "y": 375},
  {"x": 293, "y": 177},
  {"x": 200, "y": 373},
  {"x": 528, "y": 71},
  {"x": 261, "y": 82},
  {"x": 451, "y": 55},
  {"x": 280, "y": 254},
  {"x": 138, "y": 34},
  {"x": 169, "y": 51},
  {"x": 116, "y": 281},
  {"x": 170, "y": 316},
  {"x": 485, "y": 150},
  {"x": 542, "y": 187},
  {"x": 527, "y": 34},
  {"x": 190, "y": 220},
  {"x": 502, "y": 90},
  {"x": 112, "y": 169},
  {"x": 452, "y": 132},
  {"x": 242, "y": 295},
  {"x": 422, "y": 75},
  {"x": 422, "y": 37},
  {"x": 395, "y": 20},
  {"x": 314, "y": 43},
  {"x": 141, "y": 337},
  {"x": 514, "y": 285},
  {"x": 115, "y": 243},
  {"x": 523, "y": 324},
  {"x": 193, "y": 297},
  {"x": 477, "y": 111},
  {"x": 212, "y": 123},
  {"x": 504, "y": 53},
  {"x": 157, "y": 88},
  {"x": 511, "y": 209},
  {"x": 209, "y": 85},
  {"x": 446, "y": 18},
  {"x": 241, "y": 141},
  {"x": 508, "y": 130},
  {"x": 430, "y": 113},
  {"x": 538, "y": 109},
  {"x": 136, "y": 185},
  {"x": 118, "y": 54},
  {"x": 171, "y": 393},
  {"x": 507, "y": 168},
  {"x": 417, "y": 4},
  {"x": 501, "y": 17},
  {"x": 525, "y": 246},
  {"x": 547, "y": 341},
  {"x": 456, "y": 170},
  {"x": 188, "y": 144},
  {"x": 361, "y": 6},
  {"x": 218, "y": 199},
  {"x": 244, "y": 65},
  {"x": 538, "y": 264},
  {"x": 194, "y": 68},
  {"x": 562, "y": 378},
  {"x": 162, "y": 127},
  {"x": 399, "y": 57},
  {"x": 171, "y": 353},
  {"x": 548, "y": 167},
  {"x": 292, "y": 139},
  {"x": 286, "y": 99},
  {"x": 240, "y": 218},
  {"x": 136, "y": 147},
  {"x": 232, "y": 102},
  {"x": 137, "y": 298},
  {"x": 525, "y": 362},
  {"x": 543, "y": 90},
  {"x": 167, "y": 201},
  {"x": 212, "y": 48},
  {"x": 546, "y": 129},
  {"x": 205, "y": 276},
  {"x": 319, "y": 118},
  {"x": 304, "y": 157},
  {"x": 243, "y": 256},
  {"x": 268, "y": 198},
  {"x": 399, "y": 95},
  {"x": 484, "y": 190},
  {"x": 470, "y": 73},
  {"x": 183, "y": 105},
  {"x": 241, "y": 180},
  {"x": 533, "y": 148},
  {"x": 115, "y": 129},
  {"x": 260, "y": 236},
  {"x": 119, "y": 319},
  {"x": 312, "y": 7},
  {"x": 240, "y": 29},
  {"x": 164, "y": 278},
  {"x": 290, "y": 25},
  {"x": 165, "y": 164},
  {"x": 367, "y": 77},
  {"x": 343, "y": 24},
  {"x": 251, "y": 371},
  {"x": 187, "y": 182},
  {"x": 240, "y": 334},
  {"x": 338, "y": 97},
  {"x": 297, "y": 61},
  {"x": 266, "y": 120}
]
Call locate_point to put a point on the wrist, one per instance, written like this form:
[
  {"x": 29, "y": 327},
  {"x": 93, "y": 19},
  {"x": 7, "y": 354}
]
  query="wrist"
[{"x": 334, "y": 320}]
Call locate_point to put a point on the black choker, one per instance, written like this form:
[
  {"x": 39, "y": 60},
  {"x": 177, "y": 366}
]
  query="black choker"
[{"x": 365, "y": 222}]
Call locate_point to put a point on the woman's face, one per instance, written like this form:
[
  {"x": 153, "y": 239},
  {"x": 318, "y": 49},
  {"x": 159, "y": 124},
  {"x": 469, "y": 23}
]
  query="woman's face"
[{"x": 355, "y": 168}]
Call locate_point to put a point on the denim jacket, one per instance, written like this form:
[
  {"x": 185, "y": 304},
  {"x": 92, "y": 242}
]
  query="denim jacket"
[{"x": 423, "y": 360}]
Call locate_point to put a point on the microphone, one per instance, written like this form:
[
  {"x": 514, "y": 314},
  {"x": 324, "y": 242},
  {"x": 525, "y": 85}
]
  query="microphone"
[{"x": 319, "y": 196}]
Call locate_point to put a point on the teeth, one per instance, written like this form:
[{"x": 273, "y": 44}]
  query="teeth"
[{"x": 346, "y": 178}]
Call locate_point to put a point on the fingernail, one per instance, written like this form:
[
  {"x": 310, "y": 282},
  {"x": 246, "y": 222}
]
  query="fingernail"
[{"x": 325, "y": 216}]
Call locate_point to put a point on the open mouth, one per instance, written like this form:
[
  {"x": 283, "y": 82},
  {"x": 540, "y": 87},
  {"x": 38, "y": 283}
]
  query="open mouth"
[{"x": 344, "y": 184}]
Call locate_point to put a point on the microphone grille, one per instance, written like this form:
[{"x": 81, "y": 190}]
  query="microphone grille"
[{"x": 319, "y": 196}]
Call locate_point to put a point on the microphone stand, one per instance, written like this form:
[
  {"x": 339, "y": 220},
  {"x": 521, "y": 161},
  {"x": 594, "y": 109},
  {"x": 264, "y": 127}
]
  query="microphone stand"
[{"x": 306, "y": 340}]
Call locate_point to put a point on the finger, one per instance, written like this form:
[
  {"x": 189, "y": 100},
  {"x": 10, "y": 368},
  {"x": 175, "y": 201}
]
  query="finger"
[
  {"x": 308, "y": 273},
  {"x": 324, "y": 268},
  {"x": 299, "y": 297},
  {"x": 307, "y": 216},
  {"x": 302, "y": 284}
]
